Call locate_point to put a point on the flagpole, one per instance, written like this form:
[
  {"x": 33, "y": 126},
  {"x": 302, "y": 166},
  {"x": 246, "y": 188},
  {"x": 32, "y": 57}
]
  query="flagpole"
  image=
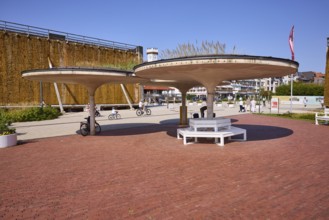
[
  {"x": 291, "y": 44},
  {"x": 291, "y": 89}
]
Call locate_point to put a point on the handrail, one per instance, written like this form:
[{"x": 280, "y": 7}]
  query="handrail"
[{"x": 68, "y": 37}]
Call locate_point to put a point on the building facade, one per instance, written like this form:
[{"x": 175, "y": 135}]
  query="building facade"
[{"x": 24, "y": 48}]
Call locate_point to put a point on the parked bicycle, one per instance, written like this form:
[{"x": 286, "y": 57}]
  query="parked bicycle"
[
  {"x": 140, "y": 112},
  {"x": 85, "y": 127},
  {"x": 97, "y": 113}
]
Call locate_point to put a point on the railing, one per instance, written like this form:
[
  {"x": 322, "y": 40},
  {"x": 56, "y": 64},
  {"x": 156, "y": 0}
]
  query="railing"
[{"x": 52, "y": 34}]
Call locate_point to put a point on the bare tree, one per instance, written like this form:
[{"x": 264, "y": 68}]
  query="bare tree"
[{"x": 183, "y": 50}]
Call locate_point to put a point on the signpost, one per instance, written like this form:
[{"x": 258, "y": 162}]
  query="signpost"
[{"x": 275, "y": 105}]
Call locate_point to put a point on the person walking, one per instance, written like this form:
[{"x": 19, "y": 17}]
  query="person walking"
[{"x": 264, "y": 101}]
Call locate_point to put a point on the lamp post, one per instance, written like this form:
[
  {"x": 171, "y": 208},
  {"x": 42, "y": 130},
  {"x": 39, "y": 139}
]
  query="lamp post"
[{"x": 41, "y": 95}]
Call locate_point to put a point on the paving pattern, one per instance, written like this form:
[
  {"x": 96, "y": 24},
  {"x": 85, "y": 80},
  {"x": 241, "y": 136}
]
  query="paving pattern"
[{"x": 144, "y": 172}]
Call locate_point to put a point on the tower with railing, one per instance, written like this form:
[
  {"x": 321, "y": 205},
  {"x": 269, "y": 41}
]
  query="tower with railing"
[{"x": 152, "y": 54}]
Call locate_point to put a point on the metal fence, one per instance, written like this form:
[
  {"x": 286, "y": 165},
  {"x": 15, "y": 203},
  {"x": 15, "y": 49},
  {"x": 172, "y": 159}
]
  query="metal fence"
[{"x": 52, "y": 34}]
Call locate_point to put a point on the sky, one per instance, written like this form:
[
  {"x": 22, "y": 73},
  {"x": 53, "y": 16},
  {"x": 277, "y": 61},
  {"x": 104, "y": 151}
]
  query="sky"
[{"x": 253, "y": 27}]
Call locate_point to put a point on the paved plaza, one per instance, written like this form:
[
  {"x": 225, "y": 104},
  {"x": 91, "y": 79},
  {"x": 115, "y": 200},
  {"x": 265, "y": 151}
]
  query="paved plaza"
[
  {"x": 69, "y": 123},
  {"x": 137, "y": 169}
]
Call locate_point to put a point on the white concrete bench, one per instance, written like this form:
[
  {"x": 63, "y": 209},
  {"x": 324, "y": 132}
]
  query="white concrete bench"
[
  {"x": 205, "y": 124},
  {"x": 221, "y": 134},
  {"x": 322, "y": 116}
]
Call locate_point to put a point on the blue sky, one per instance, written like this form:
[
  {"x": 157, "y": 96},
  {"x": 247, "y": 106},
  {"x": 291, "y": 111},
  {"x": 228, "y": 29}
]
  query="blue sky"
[{"x": 255, "y": 27}]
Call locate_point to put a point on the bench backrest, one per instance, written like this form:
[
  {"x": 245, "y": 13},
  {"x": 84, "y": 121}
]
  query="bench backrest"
[
  {"x": 224, "y": 123},
  {"x": 204, "y": 123}
]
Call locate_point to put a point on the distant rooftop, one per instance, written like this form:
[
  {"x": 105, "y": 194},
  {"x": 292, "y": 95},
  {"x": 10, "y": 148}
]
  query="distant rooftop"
[{"x": 59, "y": 35}]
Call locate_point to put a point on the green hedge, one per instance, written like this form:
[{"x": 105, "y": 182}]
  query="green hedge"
[
  {"x": 300, "y": 89},
  {"x": 29, "y": 114},
  {"x": 301, "y": 116}
]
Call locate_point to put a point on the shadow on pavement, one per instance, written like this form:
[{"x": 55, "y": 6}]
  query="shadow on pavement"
[
  {"x": 254, "y": 132},
  {"x": 128, "y": 129},
  {"x": 264, "y": 132}
]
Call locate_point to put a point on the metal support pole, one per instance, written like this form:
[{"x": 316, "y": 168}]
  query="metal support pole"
[
  {"x": 41, "y": 95},
  {"x": 126, "y": 95},
  {"x": 56, "y": 89},
  {"x": 58, "y": 98}
]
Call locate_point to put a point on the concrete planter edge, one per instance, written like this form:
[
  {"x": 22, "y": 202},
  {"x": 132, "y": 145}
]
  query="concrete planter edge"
[{"x": 8, "y": 140}]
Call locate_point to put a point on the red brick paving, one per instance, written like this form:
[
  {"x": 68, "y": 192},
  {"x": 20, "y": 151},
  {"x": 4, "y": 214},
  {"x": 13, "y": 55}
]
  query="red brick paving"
[{"x": 281, "y": 172}]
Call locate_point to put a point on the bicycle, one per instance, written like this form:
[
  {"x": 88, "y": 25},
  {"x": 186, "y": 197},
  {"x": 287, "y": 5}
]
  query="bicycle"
[
  {"x": 115, "y": 115},
  {"x": 85, "y": 127},
  {"x": 97, "y": 113},
  {"x": 140, "y": 112}
]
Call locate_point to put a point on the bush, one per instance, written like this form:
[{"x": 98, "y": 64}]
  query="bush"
[
  {"x": 190, "y": 97},
  {"x": 30, "y": 114},
  {"x": 4, "y": 126}
]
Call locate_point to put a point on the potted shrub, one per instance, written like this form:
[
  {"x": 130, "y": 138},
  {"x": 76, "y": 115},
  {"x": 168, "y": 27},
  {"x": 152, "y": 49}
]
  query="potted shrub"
[
  {"x": 189, "y": 102},
  {"x": 219, "y": 103},
  {"x": 230, "y": 104},
  {"x": 8, "y": 136}
]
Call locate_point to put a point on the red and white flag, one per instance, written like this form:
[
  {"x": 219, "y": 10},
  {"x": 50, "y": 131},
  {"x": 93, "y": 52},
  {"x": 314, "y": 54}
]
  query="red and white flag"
[{"x": 291, "y": 43}]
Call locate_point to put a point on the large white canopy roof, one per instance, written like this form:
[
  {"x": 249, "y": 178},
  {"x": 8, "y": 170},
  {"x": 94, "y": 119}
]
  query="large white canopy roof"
[
  {"x": 212, "y": 70},
  {"x": 89, "y": 77}
]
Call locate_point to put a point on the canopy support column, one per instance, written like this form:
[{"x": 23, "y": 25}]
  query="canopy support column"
[
  {"x": 210, "y": 102},
  {"x": 91, "y": 93},
  {"x": 183, "y": 109}
]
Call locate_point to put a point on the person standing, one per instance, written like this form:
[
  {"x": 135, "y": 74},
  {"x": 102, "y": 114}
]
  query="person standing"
[
  {"x": 305, "y": 102},
  {"x": 248, "y": 104},
  {"x": 242, "y": 109},
  {"x": 202, "y": 110},
  {"x": 87, "y": 107},
  {"x": 264, "y": 101},
  {"x": 253, "y": 105},
  {"x": 322, "y": 102}
]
